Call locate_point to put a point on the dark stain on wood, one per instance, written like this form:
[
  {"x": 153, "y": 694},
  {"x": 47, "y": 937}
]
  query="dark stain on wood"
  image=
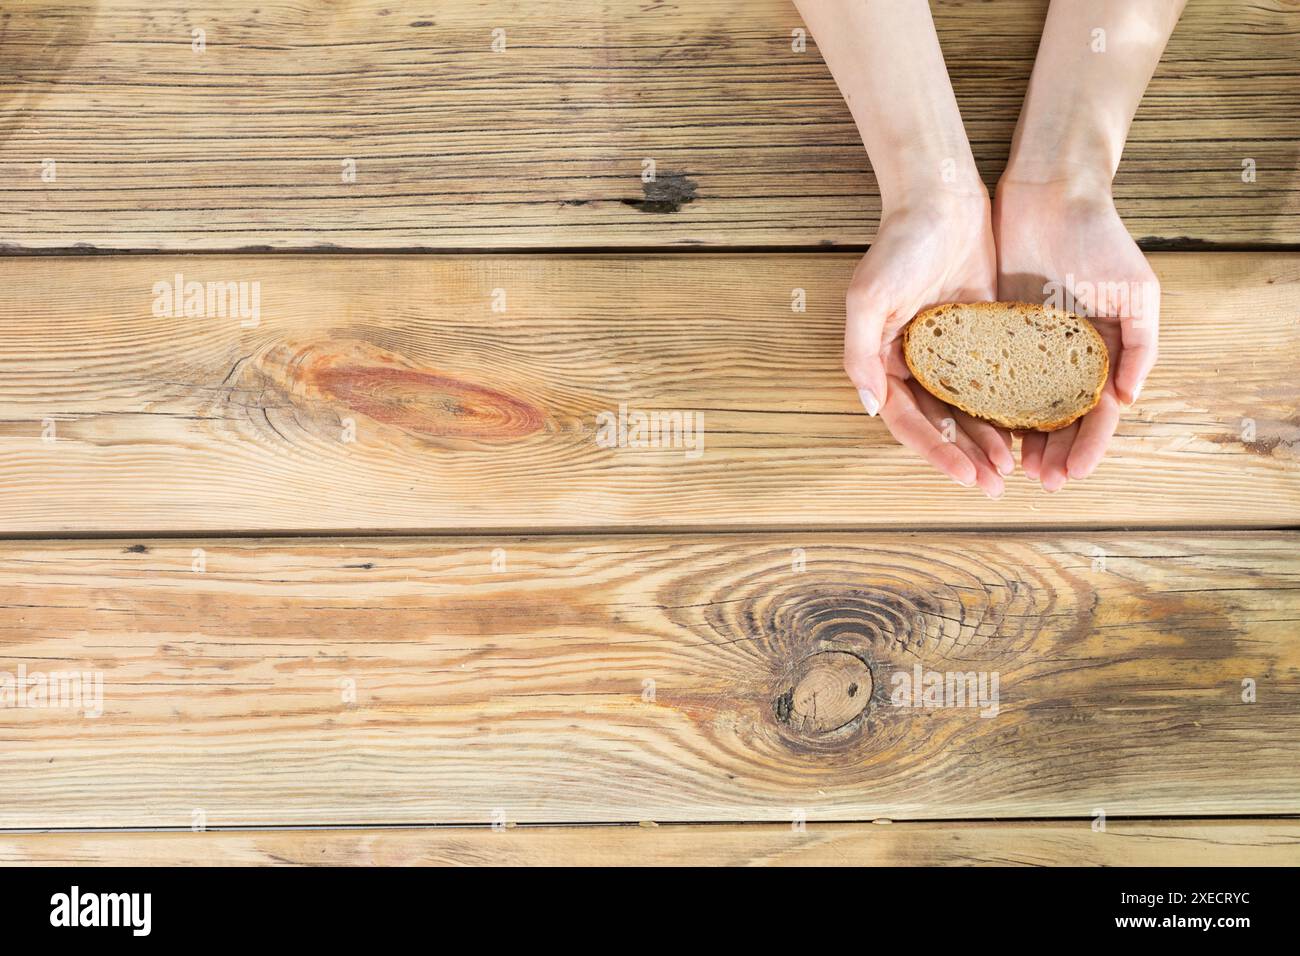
[
  {"x": 1275, "y": 437},
  {"x": 43, "y": 42},
  {"x": 666, "y": 193}
]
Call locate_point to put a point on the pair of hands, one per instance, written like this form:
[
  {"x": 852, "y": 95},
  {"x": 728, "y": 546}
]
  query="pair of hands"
[{"x": 1037, "y": 237}]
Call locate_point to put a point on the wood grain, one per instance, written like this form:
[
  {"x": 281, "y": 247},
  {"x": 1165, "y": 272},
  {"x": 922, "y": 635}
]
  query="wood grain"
[
  {"x": 385, "y": 393},
  {"x": 456, "y": 146},
  {"x": 1124, "y": 843},
  {"x": 646, "y": 677}
]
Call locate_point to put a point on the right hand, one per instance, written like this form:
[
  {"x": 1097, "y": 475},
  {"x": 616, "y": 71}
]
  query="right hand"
[
  {"x": 1051, "y": 234},
  {"x": 938, "y": 250}
]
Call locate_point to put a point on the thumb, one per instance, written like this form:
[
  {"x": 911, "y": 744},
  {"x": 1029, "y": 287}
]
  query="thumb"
[{"x": 862, "y": 349}]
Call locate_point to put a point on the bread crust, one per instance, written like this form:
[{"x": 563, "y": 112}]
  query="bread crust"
[{"x": 1038, "y": 425}]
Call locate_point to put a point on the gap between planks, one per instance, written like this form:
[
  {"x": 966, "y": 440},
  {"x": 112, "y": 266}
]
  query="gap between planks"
[
  {"x": 1149, "y": 246},
  {"x": 596, "y": 531}
]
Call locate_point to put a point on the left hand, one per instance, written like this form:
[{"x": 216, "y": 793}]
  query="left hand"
[{"x": 1059, "y": 236}]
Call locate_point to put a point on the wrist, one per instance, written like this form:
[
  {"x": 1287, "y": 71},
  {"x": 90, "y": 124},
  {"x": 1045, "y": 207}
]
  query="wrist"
[
  {"x": 933, "y": 182},
  {"x": 1067, "y": 192},
  {"x": 1066, "y": 174},
  {"x": 1067, "y": 149},
  {"x": 957, "y": 214}
]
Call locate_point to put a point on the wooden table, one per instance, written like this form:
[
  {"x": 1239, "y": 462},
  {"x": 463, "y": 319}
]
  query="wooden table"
[{"x": 353, "y": 558}]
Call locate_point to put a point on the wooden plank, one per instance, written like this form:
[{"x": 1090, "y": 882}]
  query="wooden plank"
[
  {"x": 385, "y": 393},
  {"x": 1124, "y": 843},
  {"x": 456, "y": 146},
  {"x": 717, "y": 678}
]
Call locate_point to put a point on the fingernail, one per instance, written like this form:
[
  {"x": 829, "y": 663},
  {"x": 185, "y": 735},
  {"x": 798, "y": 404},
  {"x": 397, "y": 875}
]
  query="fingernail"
[
  {"x": 996, "y": 496},
  {"x": 869, "y": 401},
  {"x": 1006, "y": 469},
  {"x": 1137, "y": 393}
]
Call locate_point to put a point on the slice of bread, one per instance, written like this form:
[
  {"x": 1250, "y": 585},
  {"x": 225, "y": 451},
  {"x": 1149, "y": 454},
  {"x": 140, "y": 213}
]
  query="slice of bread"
[{"x": 1022, "y": 366}]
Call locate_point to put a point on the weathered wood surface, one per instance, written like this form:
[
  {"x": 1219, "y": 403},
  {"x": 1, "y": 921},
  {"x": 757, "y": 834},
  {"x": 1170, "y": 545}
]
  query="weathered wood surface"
[
  {"x": 159, "y": 147},
  {"x": 1124, "y": 843},
  {"x": 718, "y": 678},
  {"x": 385, "y": 393}
]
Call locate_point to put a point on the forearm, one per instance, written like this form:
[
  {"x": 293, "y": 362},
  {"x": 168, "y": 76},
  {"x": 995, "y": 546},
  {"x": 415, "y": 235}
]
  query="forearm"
[
  {"x": 885, "y": 57},
  {"x": 1094, "y": 62}
]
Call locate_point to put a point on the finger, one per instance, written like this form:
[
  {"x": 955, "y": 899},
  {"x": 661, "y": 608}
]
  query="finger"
[
  {"x": 891, "y": 353},
  {"x": 864, "y": 327},
  {"x": 993, "y": 441},
  {"x": 945, "y": 418},
  {"x": 1055, "y": 453},
  {"x": 1095, "y": 431},
  {"x": 1031, "y": 453},
  {"x": 980, "y": 292},
  {"x": 1139, "y": 331},
  {"x": 908, "y": 424}
]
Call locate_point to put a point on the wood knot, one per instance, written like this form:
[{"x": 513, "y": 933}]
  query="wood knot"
[
  {"x": 809, "y": 651},
  {"x": 352, "y": 376},
  {"x": 829, "y": 691}
]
